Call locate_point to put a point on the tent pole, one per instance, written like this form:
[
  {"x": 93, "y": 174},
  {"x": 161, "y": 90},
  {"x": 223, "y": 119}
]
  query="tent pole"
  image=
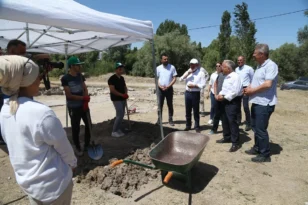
[
  {"x": 66, "y": 71},
  {"x": 157, "y": 97},
  {"x": 27, "y": 33}
]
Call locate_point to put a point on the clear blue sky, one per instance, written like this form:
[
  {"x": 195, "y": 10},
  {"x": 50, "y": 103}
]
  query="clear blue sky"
[{"x": 198, "y": 13}]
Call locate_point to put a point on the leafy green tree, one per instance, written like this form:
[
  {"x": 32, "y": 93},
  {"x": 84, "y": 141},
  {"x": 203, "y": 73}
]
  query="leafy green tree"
[
  {"x": 224, "y": 36},
  {"x": 178, "y": 47},
  {"x": 302, "y": 34},
  {"x": 245, "y": 30},
  {"x": 211, "y": 56},
  {"x": 287, "y": 59},
  {"x": 169, "y": 26}
]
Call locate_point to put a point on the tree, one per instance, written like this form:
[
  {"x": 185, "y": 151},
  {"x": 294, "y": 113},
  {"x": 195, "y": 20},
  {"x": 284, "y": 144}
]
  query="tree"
[
  {"x": 287, "y": 59},
  {"x": 211, "y": 56},
  {"x": 178, "y": 47},
  {"x": 302, "y": 34},
  {"x": 169, "y": 26},
  {"x": 224, "y": 36},
  {"x": 245, "y": 30}
]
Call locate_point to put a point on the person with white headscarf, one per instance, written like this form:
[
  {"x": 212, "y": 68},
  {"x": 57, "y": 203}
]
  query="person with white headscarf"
[{"x": 39, "y": 151}]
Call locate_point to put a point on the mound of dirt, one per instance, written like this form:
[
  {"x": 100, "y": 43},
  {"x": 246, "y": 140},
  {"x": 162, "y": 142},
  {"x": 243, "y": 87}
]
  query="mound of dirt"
[{"x": 123, "y": 179}]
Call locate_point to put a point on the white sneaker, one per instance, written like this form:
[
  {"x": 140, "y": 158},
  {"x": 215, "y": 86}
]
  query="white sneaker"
[
  {"x": 210, "y": 122},
  {"x": 220, "y": 123},
  {"x": 117, "y": 134},
  {"x": 120, "y": 132}
]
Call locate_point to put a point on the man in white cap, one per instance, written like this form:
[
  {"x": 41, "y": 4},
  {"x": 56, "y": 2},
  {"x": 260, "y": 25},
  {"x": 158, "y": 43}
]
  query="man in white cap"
[{"x": 195, "y": 81}]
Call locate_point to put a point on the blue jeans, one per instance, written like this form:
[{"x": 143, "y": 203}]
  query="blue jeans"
[
  {"x": 120, "y": 112},
  {"x": 260, "y": 116},
  {"x": 213, "y": 106},
  {"x": 192, "y": 102}
]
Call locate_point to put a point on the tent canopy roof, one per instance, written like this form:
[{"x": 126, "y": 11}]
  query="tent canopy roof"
[{"x": 48, "y": 27}]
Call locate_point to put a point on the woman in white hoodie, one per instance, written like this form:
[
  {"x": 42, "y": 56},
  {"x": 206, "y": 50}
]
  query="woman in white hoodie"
[{"x": 39, "y": 151}]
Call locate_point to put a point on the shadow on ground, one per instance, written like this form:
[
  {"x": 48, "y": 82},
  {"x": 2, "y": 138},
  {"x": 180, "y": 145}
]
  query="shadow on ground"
[{"x": 141, "y": 136}]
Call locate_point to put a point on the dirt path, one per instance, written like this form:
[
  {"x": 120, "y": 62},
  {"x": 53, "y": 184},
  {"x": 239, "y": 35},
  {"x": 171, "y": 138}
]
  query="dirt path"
[{"x": 220, "y": 177}]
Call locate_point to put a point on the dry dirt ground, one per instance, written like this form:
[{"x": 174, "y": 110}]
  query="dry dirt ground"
[{"x": 219, "y": 178}]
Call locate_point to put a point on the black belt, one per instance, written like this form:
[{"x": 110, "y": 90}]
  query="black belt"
[{"x": 192, "y": 91}]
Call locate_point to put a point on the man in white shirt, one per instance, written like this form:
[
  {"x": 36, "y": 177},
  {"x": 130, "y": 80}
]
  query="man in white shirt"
[
  {"x": 195, "y": 81},
  {"x": 263, "y": 96},
  {"x": 206, "y": 75},
  {"x": 211, "y": 93},
  {"x": 230, "y": 95},
  {"x": 166, "y": 74},
  {"x": 246, "y": 73}
]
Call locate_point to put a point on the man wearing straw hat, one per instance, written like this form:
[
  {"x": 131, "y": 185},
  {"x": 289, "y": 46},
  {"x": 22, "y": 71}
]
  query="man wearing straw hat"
[{"x": 39, "y": 151}]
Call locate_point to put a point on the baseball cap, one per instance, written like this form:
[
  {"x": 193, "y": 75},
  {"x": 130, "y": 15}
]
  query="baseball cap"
[
  {"x": 74, "y": 61},
  {"x": 118, "y": 65},
  {"x": 194, "y": 61}
]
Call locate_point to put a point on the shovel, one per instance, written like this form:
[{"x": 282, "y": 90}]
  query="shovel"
[
  {"x": 95, "y": 151},
  {"x": 129, "y": 125}
]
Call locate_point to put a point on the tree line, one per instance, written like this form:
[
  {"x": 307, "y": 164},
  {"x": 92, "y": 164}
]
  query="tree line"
[{"x": 172, "y": 38}]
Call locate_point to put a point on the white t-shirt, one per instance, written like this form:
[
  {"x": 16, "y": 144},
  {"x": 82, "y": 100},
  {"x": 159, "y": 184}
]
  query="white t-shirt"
[
  {"x": 39, "y": 150},
  {"x": 212, "y": 80},
  {"x": 165, "y": 74}
]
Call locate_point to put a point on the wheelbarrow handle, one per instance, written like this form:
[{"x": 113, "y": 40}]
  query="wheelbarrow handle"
[
  {"x": 168, "y": 177},
  {"x": 127, "y": 161},
  {"x": 116, "y": 163}
]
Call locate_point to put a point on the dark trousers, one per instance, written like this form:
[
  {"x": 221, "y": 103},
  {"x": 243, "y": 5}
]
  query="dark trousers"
[
  {"x": 218, "y": 115},
  {"x": 260, "y": 116},
  {"x": 245, "y": 100},
  {"x": 76, "y": 114},
  {"x": 168, "y": 94},
  {"x": 230, "y": 124},
  {"x": 192, "y": 102},
  {"x": 213, "y": 106}
]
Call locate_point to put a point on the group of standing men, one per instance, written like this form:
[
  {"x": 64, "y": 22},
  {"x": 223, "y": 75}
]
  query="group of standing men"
[{"x": 228, "y": 88}]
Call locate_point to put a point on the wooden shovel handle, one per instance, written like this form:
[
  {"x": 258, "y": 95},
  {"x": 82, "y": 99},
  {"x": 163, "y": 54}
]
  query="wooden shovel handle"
[
  {"x": 116, "y": 163},
  {"x": 168, "y": 177}
]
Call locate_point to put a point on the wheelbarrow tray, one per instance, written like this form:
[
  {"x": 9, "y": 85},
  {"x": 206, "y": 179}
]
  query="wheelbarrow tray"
[{"x": 178, "y": 151}]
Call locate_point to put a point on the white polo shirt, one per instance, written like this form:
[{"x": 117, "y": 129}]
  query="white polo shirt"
[
  {"x": 246, "y": 73},
  {"x": 165, "y": 74},
  {"x": 267, "y": 71}
]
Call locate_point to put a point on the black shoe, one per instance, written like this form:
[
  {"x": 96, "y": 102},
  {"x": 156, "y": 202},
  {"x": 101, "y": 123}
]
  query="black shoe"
[
  {"x": 260, "y": 159},
  {"x": 252, "y": 151},
  {"x": 171, "y": 123},
  {"x": 247, "y": 128},
  {"x": 223, "y": 140},
  {"x": 198, "y": 130},
  {"x": 187, "y": 129},
  {"x": 234, "y": 148}
]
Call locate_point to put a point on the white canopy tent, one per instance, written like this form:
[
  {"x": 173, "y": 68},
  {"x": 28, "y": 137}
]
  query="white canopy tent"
[{"x": 67, "y": 27}]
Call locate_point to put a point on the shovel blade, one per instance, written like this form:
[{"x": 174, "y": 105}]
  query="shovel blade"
[{"x": 95, "y": 151}]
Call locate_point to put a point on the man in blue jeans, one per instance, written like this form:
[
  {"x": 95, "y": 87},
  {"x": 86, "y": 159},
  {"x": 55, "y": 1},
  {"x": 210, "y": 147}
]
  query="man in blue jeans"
[
  {"x": 118, "y": 95},
  {"x": 263, "y": 96}
]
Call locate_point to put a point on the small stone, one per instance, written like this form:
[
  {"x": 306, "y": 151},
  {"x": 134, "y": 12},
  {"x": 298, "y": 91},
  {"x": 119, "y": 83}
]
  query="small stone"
[{"x": 9, "y": 178}]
